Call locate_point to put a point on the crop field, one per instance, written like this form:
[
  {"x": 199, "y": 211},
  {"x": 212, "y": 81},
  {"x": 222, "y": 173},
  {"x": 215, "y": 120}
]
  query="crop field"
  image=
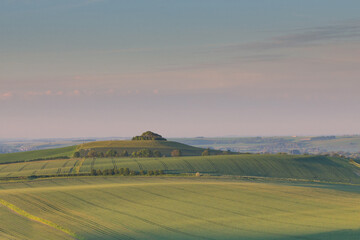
[
  {"x": 38, "y": 154},
  {"x": 276, "y": 166},
  {"x": 176, "y": 208},
  {"x": 165, "y": 147}
]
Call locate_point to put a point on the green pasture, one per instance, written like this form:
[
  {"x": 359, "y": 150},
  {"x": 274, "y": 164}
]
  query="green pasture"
[
  {"x": 177, "y": 208},
  {"x": 313, "y": 168},
  {"x": 38, "y": 154},
  {"x": 165, "y": 147}
]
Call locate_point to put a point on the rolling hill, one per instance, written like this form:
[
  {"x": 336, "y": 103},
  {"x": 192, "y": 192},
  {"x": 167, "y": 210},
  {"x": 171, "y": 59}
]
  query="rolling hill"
[
  {"x": 65, "y": 152},
  {"x": 155, "y": 208},
  {"x": 312, "y": 168},
  {"x": 165, "y": 147}
]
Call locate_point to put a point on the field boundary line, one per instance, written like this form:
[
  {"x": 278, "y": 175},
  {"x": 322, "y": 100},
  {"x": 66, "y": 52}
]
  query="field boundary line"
[
  {"x": 114, "y": 163},
  {"x": 44, "y": 166},
  {"x": 164, "y": 165},
  {"x": 22, "y": 167},
  {"x": 139, "y": 164},
  {"x": 29, "y": 216},
  {"x": 92, "y": 164},
  {"x": 216, "y": 170},
  {"x": 77, "y": 169},
  {"x": 191, "y": 168}
]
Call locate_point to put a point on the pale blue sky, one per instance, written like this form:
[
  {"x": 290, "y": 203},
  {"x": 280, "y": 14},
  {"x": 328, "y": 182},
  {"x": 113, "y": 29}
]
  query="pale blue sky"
[{"x": 80, "y": 68}]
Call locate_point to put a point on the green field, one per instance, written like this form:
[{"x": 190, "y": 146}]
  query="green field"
[
  {"x": 246, "y": 196},
  {"x": 165, "y": 147},
  {"x": 38, "y": 154},
  {"x": 178, "y": 208},
  {"x": 272, "y": 166}
]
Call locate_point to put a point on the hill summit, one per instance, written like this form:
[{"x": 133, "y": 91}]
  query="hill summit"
[{"x": 149, "y": 136}]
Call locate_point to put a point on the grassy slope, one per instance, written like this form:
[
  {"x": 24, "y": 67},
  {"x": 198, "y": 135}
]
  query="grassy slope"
[
  {"x": 38, "y": 154},
  {"x": 253, "y": 144},
  {"x": 165, "y": 147},
  {"x": 277, "y": 166},
  {"x": 175, "y": 208}
]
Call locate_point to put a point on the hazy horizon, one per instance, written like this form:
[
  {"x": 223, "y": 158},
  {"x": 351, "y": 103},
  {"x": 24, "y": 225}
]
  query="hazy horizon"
[{"x": 180, "y": 68}]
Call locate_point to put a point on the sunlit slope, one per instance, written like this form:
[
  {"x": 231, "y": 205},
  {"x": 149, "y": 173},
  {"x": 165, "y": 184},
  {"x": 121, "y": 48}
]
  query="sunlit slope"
[
  {"x": 38, "y": 154},
  {"x": 175, "y": 208},
  {"x": 165, "y": 147},
  {"x": 275, "y": 166}
]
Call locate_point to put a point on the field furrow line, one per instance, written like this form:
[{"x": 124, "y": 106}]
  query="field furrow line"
[
  {"x": 72, "y": 168},
  {"x": 272, "y": 197},
  {"x": 44, "y": 166},
  {"x": 22, "y": 167},
  {"x": 7, "y": 234},
  {"x": 236, "y": 164},
  {"x": 114, "y": 163},
  {"x": 191, "y": 168},
  {"x": 86, "y": 223},
  {"x": 143, "y": 220},
  {"x": 2, "y": 169},
  {"x": 111, "y": 210},
  {"x": 92, "y": 164},
  {"x": 153, "y": 207},
  {"x": 164, "y": 165},
  {"x": 29, "y": 216},
  {"x": 139, "y": 164},
  {"x": 64, "y": 165},
  {"x": 230, "y": 200},
  {"x": 289, "y": 212},
  {"x": 231, "y": 212},
  {"x": 213, "y": 165},
  {"x": 78, "y": 167}
]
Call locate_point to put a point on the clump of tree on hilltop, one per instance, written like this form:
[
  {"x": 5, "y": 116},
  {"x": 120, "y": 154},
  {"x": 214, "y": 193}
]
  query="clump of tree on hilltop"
[{"x": 149, "y": 136}]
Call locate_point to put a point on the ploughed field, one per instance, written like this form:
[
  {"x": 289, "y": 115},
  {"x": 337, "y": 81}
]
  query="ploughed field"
[
  {"x": 276, "y": 166},
  {"x": 176, "y": 208}
]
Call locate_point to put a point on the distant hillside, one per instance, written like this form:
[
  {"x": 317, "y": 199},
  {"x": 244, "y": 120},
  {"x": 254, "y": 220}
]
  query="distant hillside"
[
  {"x": 65, "y": 152},
  {"x": 271, "y": 166},
  {"x": 312, "y": 145},
  {"x": 165, "y": 147}
]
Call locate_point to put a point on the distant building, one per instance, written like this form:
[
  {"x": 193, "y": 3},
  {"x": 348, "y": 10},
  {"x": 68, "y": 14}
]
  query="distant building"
[{"x": 295, "y": 152}]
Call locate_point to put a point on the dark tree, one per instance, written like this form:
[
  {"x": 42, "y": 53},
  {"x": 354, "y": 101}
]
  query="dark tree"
[
  {"x": 149, "y": 136},
  {"x": 176, "y": 153},
  {"x": 157, "y": 153},
  {"x": 76, "y": 154},
  {"x": 124, "y": 153},
  {"x": 93, "y": 172},
  {"x": 206, "y": 152},
  {"x": 92, "y": 153}
]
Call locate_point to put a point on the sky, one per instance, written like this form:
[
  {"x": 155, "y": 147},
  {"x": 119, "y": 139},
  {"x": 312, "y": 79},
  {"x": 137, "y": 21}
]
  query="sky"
[{"x": 101, "y": 68}]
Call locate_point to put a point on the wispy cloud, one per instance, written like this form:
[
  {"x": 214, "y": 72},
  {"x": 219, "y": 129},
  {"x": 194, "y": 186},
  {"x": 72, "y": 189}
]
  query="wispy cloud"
[
  {"x": 304, "y": 37},
  {"x": 6, "y": 95}
]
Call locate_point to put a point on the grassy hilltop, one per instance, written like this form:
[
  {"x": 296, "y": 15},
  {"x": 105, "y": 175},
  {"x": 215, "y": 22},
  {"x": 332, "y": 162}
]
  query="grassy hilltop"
[
  {"x": 312, "y": 168},
  {"x": 148, "y": 140}
]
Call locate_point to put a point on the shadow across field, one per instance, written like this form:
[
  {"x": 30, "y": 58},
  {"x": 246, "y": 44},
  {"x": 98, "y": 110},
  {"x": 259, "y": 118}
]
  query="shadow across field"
[{"x": 332, "y": 235}]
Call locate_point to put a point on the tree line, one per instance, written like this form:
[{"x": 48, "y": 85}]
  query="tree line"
[{"x": 125, "y": 172}]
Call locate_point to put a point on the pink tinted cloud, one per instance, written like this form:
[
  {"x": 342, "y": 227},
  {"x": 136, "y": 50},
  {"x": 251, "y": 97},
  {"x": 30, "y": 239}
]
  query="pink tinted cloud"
[{"x": 6, "y": 95}]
